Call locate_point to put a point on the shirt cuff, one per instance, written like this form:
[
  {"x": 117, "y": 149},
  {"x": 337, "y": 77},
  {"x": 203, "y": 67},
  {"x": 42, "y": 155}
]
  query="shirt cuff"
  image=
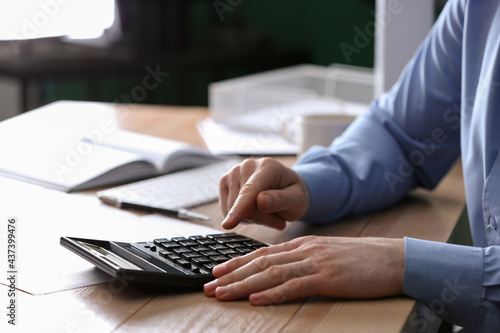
[
  {"x": 446, "y": 278},
  {"x": 326, "y": 184}
]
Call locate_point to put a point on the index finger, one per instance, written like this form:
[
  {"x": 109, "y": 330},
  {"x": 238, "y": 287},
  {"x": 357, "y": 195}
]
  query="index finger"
[{"x": 244, "y": 204}]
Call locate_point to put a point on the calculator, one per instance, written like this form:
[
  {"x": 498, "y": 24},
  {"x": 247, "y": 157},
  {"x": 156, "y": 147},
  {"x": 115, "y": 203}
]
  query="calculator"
[{"x": 163, "y": 263}]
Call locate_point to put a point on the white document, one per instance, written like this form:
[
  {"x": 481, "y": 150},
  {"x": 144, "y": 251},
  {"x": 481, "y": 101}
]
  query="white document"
[{"x": 228, "y": 140}]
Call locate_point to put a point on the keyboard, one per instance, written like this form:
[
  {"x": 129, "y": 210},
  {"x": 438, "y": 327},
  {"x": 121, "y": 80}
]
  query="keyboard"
[
  {"x": 163, "y": 263},
  {"x": 181, "y": 189}
]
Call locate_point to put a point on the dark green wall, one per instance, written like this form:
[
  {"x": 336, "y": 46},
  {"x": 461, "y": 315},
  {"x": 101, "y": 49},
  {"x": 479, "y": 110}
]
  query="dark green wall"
[{"x": 319, "y": 26}]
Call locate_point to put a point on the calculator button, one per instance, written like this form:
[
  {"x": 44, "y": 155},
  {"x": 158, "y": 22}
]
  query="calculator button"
[
  {"x": 210, "y": 266},
  {"x": 170, "y": 245},
  {"x": 174, "y": 257},
  {"x": 229, "y": 234},
  {"x": 164, "y": 253},
  {"x": 158, "y": 241},
  {"x": 245, "y": 250},
  {"x": 236, "y": 245},
  {"x": 200, "y": 261},
  {"x": 210, "y": 253},
  {"x": 189, "y": 255},
  {"x": 218, "y": 247},
  {"x": 202, "y": 271},
  {"x": 200, "y": 248},
  {"x": 181, "y": 250},
  {"x": 228, "y": 251},
  {"x": 206, "y": 241},
  {"x": 177, "y": 239},
  {"x": 188, "y": 243},
  {"x": 233, "y": 240},
  {"x": 196, "y": 237},
  {"x": 219, "y": 259},
  {"x": 184, "y": 263},
  {"x": 255, "y": 244}
]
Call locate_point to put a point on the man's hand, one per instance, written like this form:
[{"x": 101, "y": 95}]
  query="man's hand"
[
  {"x": 262, "y": 191},
  {"x": 325, "y": 266}
]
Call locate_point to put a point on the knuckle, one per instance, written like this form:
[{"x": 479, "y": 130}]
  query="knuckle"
[
  {"x": 263, "y": 251},
  {"x": 274, "y": 273},
  {"x": 230, "y": 178},
  {"x": 247, "y": 165},
  {"x": 235, "y": 169},
  {"x": 262, "y": 263},
  {"x": 302, "y": 241},
  {"x": 248, "y": 187},
  {"x": 308, "y": 239},
  {"x": 310, "y": 244},
  {"x": 224, "y": 180},
  {"x": 265, "y": 161},
  {"x": 295, "y": 285},
  {"x": 228, "y": 278},
  {"x": 243, "y": 284},
  {"x": 309, "y": 267},
  {"x": 277, "y": 296},
  {"x": 235, "y": 263}
]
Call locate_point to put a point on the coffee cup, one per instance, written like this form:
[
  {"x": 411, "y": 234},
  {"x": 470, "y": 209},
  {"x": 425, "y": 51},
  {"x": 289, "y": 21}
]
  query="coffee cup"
[{"x": 312, "y": 129}]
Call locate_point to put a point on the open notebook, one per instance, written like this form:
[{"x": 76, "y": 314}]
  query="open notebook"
[{"x": 60, "y": 147}]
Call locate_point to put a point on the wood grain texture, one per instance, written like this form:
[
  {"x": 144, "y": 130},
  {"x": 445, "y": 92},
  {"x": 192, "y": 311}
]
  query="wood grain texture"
[{"x": 102, "y": 308}]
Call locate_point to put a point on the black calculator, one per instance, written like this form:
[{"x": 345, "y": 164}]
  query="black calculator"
[{"x": 163, "y": 263}]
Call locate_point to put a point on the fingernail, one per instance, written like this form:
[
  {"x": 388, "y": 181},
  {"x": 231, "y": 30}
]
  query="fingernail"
[
  {"x": 256, "y": 299},
  {"x": 268, "y": 201},
  {"x": 225, "y": 222},
  {"x": 210, "y": 287},
  {"x": 222, "y": 293},
  {"x": 219, "y": 270}
]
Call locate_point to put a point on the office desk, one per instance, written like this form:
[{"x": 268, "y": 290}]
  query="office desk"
[{"x": 107, "y": 307}]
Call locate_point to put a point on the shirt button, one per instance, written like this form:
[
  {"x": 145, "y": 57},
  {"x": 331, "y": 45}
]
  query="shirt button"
[{"x": 492, "y": 223}]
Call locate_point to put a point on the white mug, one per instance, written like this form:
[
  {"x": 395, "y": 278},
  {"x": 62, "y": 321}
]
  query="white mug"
[{"x": 308, "y": 130}]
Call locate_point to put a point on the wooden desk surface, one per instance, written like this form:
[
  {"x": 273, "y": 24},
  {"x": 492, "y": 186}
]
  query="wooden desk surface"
[{"x": 106, "y": 307}]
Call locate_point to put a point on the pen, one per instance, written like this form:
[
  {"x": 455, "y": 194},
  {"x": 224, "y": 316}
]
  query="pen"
[{"x": 180, "y": 212}]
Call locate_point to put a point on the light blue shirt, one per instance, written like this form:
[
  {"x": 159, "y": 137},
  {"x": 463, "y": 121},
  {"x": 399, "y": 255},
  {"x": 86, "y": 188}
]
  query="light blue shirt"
[{"x": 446, "y": 103}]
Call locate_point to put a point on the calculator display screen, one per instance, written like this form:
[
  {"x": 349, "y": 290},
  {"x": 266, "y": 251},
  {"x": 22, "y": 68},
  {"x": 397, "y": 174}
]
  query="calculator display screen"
[{"x": 100, "y": 251}]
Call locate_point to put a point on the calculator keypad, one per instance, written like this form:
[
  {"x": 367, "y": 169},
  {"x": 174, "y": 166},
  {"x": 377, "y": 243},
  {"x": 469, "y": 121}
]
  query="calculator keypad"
[{"x": 199, "y": 254}]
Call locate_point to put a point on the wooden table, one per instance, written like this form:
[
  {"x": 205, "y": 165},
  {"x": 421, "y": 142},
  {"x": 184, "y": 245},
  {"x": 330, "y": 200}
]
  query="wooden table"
[{"x": 105, "y": 308}]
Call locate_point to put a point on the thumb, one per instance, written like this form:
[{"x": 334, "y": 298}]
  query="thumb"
[
  {"x": 271, "y": 201},
  {"x": 290, "y": 203}
]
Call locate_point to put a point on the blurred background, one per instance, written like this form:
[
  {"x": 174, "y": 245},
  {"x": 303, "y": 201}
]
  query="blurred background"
[{"x": 102, "y": 50}]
